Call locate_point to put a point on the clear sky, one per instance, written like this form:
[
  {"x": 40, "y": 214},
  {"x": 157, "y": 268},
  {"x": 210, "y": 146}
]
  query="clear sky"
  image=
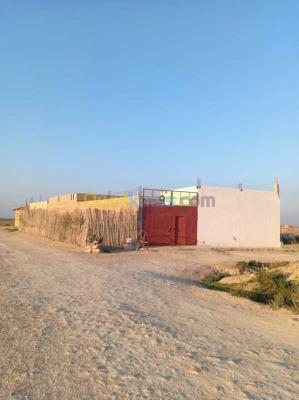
[{"x": 105, "y": 95}]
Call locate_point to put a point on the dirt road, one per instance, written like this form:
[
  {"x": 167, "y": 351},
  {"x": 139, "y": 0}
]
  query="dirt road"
[{"x": 136, "y": 326}]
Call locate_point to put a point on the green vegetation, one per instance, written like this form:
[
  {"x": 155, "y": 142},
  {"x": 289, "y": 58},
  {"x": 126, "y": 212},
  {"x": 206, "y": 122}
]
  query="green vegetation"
[
  {"x": 270, "y": 287},
  {"x": 277, "y": 290},
  {"x": 213, "y": 282}
]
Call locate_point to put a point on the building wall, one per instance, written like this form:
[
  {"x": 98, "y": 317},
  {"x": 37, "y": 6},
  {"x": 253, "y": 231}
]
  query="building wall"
[
  {"x": 63, "y": 201},
  {"x": 113, "y": 202},
  {"x": 17, "y": 212},
  {"x": 82, "y": 201},
  {"x": 38, "y": 204},
  {"x": 248, "y": 218}
]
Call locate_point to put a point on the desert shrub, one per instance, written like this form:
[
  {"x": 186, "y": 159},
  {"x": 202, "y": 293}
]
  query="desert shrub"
[
  {"x": 287, "y": 238},
  {"x": 279, "y": 264},
  {"x": 254, "y": 266},
  {"x": 268, "y": 287},
  {"x": 212, "y": 281},
  {"x": 95, "y": 239},
  {"x": 277, "y": 290},
  {"x": 249, "y": 266}
]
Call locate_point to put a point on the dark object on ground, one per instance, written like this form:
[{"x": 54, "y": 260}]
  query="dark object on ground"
[{"x": 289, "y": 238}]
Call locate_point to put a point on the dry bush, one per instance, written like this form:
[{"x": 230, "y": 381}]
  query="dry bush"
[{"x": 266, "y": 287}]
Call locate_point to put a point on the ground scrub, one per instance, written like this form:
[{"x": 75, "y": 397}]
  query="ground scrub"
[
  {"x": 254, "y": 266},
  {"x": 277, "y": 290},
  {"x": 288, "y": 238},
  {"x": 265, "y": 285},
  {"x": 249, "y": 266}
]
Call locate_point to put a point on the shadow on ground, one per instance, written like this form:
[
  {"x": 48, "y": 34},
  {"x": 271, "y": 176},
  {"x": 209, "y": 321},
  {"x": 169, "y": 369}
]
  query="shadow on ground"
[{"x": 174, "y": 279}]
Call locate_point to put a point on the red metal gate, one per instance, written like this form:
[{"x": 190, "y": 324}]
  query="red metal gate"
[{"x": 168, "y": 224}]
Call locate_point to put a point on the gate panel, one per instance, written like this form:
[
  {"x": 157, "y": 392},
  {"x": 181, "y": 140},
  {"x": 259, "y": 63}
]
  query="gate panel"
[
  {"x": 172, "y": 225},
  {"x": 157, "y": 222}
]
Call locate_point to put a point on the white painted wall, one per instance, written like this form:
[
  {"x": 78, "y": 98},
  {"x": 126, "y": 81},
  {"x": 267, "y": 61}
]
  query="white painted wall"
[{"x": 248, "y": 218}]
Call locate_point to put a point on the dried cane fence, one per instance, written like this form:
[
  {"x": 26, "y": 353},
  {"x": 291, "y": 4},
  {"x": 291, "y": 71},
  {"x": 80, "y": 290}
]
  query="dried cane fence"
[{"x": 77, "y": 226}]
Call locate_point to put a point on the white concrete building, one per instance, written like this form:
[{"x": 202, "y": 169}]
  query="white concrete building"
[{"x": 237, "y": 217}]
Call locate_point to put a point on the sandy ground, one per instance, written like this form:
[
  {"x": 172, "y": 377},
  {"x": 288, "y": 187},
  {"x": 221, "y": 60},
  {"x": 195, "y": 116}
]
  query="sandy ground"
[{"x": 136, "y": 325}]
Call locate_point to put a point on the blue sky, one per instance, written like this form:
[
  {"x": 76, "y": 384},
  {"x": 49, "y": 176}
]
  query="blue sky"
[{"x": 109, "y": 95}]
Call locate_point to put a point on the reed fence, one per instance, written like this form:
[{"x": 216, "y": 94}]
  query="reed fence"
[{"x": 77, "y": 226}]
